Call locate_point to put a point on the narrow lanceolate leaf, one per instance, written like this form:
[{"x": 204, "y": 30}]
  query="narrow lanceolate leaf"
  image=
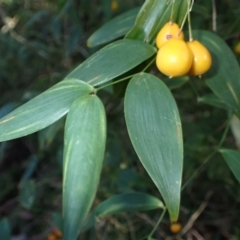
[
  {"x": 85, "y": 135},
  {"x": 112, "y": 61},
  {"x": 128, "y": 202},
  {"x": 232, "y": 159},
  {"x": 153, "y": 15},
  {"x": 115, "y": 28},
  {"x": 42, "y": 110},
  {"x": 213, "y": 100},
  {"x": 224, "y": 75},
  {"x": 134, "y": 201},
  {"x": 155, "y": 130}
]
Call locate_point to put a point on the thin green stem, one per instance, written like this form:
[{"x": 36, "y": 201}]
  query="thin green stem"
[
  {"x": 150, "y": 63},
  {"x": 157, "y": 224},
  {"x": 198, "y": 170},
  {"x": 209, "y": 156},
  {"x": 115, "y": 82},
  {"x": 190, "y": 6},
  {"x": 194, "y": 88},
  {"x": 225, "y": 132},
  {"x": 189, "y": 21},
  {"x": 184, "y": 20},
  {"x": 125, "y": 78},
  {"x": 172, "y": 10}
]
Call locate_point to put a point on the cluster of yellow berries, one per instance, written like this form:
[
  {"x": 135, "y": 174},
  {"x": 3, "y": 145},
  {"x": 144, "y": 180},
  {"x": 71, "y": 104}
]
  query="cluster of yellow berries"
[{"x": 176, "y": 57}]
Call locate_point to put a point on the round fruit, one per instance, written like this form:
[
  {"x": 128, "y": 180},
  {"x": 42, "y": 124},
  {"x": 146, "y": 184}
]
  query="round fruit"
[
  {"x": 51, "y": 237},
  {"x": 175, "y": 227},
  {"x": 202, "y": 59},
  {"x": 57, "y": 233},
  {"x": 114, "y": 5},
  {"x": 174, "y": 58},
  {"x": 169, "y": 30},
  {"x": 237, "y": 48}
]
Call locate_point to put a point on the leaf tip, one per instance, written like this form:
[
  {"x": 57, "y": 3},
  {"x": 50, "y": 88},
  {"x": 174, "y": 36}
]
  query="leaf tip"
[{"x": 89, "y": 44}]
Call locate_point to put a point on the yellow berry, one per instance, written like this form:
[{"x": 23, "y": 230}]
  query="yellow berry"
[
  {"x": 114, "y": 5},
  {"x": 51, "y": 237},
  {"x": 237, "y": 48},
  {"x": 202, "y": 59},
  {"x": 169, "y": 30},
  {"x": 175, "y": 228},
  {"x": 174, "y": 58},
  {"x": 57, "y": 233}
]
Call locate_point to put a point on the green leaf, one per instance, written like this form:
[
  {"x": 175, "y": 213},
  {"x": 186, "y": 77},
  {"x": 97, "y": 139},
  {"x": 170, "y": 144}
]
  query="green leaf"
[
  {"x": 213, "y": 100},
  {"x": 232, "y": 159},
  {"x": 115, "y": 28},
  {"x": 112, "y": 61},
  {"x": 153, "y": 15},
  {"x": 85, "y": 136},
  {"x": 155, "y": 130},
  {"x": 42, "y": 110},
  {"x": 134, "y": 201},
  {"x": 235, "y": 128},
  {"x": 5, "y": 230},
  {"x": 28, "y": 194},
  {"x": 127, "y": 202},
  {"x": 224, "y": 76}
]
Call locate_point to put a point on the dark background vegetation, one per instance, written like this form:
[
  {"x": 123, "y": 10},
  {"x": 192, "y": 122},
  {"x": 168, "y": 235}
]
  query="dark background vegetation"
[{"x": 40, "y": 42}]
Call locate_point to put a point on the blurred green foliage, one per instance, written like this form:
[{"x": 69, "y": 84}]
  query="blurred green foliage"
[{"x": 40, "y": 42}]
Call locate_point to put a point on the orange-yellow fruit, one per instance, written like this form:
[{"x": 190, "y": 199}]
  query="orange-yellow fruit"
[
  {"x": 57, "y": 233},
  {"x": 202, "y": 59},
  {"x": 51, "y": 237},
  {"x": 169, "y": 30},
  {"x": 114, "y": 5},
  {"x": 174, "y": 58},
  {"x": 175, "y": 227},
  {"x": 237, "y": 48}
]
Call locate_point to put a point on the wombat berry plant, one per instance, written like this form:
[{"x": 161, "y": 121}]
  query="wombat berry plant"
[{"x": 151, "y": 113}]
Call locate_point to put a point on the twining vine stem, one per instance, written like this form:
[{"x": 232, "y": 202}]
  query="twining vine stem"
[
  {"x": 156, "y": 226},
  {"x": 210, "y": 155},
  {"x": 149, "y": 236}
]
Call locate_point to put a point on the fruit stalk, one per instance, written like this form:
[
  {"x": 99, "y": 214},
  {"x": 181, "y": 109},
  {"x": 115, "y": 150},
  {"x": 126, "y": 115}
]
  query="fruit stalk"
[{"x": 189, "y": 21}]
